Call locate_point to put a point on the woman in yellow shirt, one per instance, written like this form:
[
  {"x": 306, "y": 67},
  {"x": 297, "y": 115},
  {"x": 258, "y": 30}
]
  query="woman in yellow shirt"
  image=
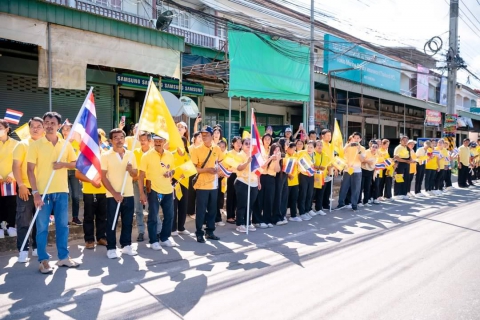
[
  {"x": 413, "y": 166},
  {"x": 281, "y": 189},
  {"x": 293, "y": 183},
  {"x": 8, "y": 202},
  {"x": 431, "y": 168},
  {"x": 386, "y": 180},
  {"x": 306, "y": 182},
  {"x": 231, "y": 193}
]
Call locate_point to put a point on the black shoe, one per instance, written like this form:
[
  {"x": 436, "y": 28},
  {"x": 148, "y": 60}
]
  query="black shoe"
[
  {"x": 212, "y": 237},
  {"x": 77, "y": 222},
  {"x": 140, "y": 237},
  {"x": 340, "y": 207},
  {"x": 200, "y": 239}
]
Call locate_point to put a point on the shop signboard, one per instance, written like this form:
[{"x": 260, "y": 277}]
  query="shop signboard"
[
  {"x": 433, "y": 118},
  {"x": 368, "y": 67},
  {"x": 321, "y": 117},
  {"x": 450, "y": 125},
  {"x": 171, "y": 85}
]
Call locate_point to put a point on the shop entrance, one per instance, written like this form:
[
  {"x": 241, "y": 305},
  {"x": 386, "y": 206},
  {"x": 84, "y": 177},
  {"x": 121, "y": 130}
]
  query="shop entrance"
[{"x": 130, "y": 104}]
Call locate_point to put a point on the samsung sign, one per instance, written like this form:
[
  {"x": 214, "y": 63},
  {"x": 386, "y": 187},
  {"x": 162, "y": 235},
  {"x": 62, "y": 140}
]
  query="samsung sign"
[{"x": 341, "y": 54}]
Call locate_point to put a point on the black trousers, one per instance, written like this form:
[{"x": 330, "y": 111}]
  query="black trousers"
[
  {"x": 439, "y": 178},
  {"x": 403, "y": 169},
  {"x": 463, "y": 176},
  {"x": 8, "y": 210},
  {"x": 206, "y": 203},
  {"x": 367, "y": 180},
  {"x": 265, "y": 200},
  {"x": 231, "y": 196},
  {"x": 419, "y": 177},
  {"x": 318, "y": 195},
  {"x": 191, "y": 198},
  {"x": 241, "y": 189},
  {"x": 281, "y": 197},
  {"x": 410, "y": 179},
  {"x": 180, "y": 210},
  {"x": 448, "y": 178},
  {"x": 385, "y": 187},
  {"x": 24, "y": 215},
  {"x": 376, "y": 187},
  {"x": 293, "y": 199},
  {"x": 95, "y": 216},
  {"x": 305, "y": 193},
  {"x": 430, "y": 179},
  {"x": 220, "y": 200},
  {"x": 326, "y": 194}
]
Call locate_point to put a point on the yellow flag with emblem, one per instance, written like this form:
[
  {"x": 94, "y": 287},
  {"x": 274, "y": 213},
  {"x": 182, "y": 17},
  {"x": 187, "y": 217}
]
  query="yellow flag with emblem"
[
  {"x": 23, "y": 132},
  {"x": 156, "y": 118},
  {"x": 337, "y": 140}
]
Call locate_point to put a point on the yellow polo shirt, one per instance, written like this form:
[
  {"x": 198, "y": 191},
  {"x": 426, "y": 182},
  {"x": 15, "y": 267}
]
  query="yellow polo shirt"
[
  {"x": 402, "y": 152},
  {"x": 129, "y": 142},
  {"x": 206, "y": 181},
  {"x": 43, "y": 154},
  {"x": 432, "y": 164},
  {"x": 20, "y": 154},
  {"x": 155, "y": 166},
  {"x": 369, "y": 161},
  {"x": 464, "y": 155},
  {"x": 6, "y": 157},
  {"x": 116, "y": 168},
  {"x": 293, "y": 182},
  {"x": 76, "y": 149},
  {"x": 244, "y": 174}
]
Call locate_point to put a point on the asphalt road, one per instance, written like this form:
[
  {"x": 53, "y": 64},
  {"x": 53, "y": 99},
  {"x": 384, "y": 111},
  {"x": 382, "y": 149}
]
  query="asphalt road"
[{"x": 399, "y": 260}]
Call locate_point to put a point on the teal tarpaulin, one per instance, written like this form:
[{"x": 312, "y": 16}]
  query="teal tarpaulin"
[{"x": 263, "y": 68}]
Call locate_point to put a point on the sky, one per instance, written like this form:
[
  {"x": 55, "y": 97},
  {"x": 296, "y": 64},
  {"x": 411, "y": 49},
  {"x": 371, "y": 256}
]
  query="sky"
[{"x": 408, "y": 23}]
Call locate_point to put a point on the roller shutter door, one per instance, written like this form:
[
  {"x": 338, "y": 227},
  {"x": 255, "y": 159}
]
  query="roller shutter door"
[{"x": 22, "y": 93}]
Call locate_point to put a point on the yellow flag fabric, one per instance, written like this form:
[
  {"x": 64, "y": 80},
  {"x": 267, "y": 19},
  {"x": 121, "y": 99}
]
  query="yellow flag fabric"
[
  {"x": 339, "y": 163},
  {"x": 224, "y": 185},
  {"x": 178, "y": 191},
  {"x": 245, "y": 134},
  {"x": 318, "y": 179},
  {"x": 337, "y": 140},
  {"x": 23, "y": 132},
  {"x": 156, "y": 118},
  {"x": 177, "y": 162},
  {"x": 399, "y": 178},
  {"x": 232, "y": 161},
  {"x": 186, "y": 170}
]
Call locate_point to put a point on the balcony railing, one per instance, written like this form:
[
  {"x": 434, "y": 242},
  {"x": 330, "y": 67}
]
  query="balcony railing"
[{"x": 191, "y": 37}]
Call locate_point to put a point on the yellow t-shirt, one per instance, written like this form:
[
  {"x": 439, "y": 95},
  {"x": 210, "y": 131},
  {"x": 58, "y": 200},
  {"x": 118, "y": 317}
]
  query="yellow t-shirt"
[
  {"x": 294, "y": 181},
  {"x": 413, "y": 166},
  {"x": 76, "y": 149},
  {"x": 244, "y": 174},
  {"x": 464, "y": 155},
  {"x": 322, "y": 160},
  {"x": 155, "y": 166},
  {"x": 88, "y": 188},
  {"x": 383, "y": 154},
  {"x": 138, "y": 153},
  {"x": 206, "y": 181},
  {"x": 328, "y": 150},
  {"x": 116, "y": 168},
  {"x": 20, "y": 154},
  {"x": 443, "y": 160},
  {"x": 369, "y": 161},
  {"x": 402, "y": 152},
  {"x": 432, "y": 163},
  {"x": 6, "y": 157},
  {"x": 43, "y": 154},
  {"x": 353, "y": 158}
]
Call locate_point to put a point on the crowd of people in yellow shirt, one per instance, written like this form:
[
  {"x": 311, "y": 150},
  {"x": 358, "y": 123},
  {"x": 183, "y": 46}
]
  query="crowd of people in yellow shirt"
[{"x": 293, "y": 184}]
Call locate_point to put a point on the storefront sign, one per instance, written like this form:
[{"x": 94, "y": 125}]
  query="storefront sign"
[
  {"x": 321, "y": 117},
  {"x": 450, "y": 125},
  {"x": 368, "y": 67},
  {"x": 433, "y": 118},
  {"x": 171, "y": 85}
]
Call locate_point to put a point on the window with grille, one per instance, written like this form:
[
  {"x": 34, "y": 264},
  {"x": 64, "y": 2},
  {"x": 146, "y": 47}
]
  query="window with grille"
[
  {"x": 222, "y": 32},
  {"x": 114, "y": 4}
]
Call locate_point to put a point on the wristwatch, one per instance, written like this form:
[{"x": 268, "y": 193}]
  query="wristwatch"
[{"x": 34, "y": 192}]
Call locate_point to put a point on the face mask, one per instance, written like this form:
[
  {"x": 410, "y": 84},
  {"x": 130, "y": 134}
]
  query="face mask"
[{"x": 2, "y": 132}]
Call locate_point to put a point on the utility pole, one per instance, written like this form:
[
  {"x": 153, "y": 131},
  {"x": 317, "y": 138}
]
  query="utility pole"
[
  {"x": 452, "y": 57},
  {"x": 311, "y": 109}
]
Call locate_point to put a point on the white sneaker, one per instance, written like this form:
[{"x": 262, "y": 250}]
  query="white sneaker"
[
  {"x": 112, "y": 254},
  {"x": 321, "y": 213},
  {"x": 241, "y": 229},
  {"x": 312, "y": 213},
  {"x": 174, "y": 233},
  {"x": 156, "y": 246},
  {"x": 406, "y": 198},
  {"x": 419, "y": 195},
  {"x": 184, "y": 232},
  {"x": 169, "y": 243},
  {"x": 129, "y": 250},
  {"x": 251, "y": 228},
  {"x": 295, "y": 219},
  {"x": 3, "y": 225},
  {"x": 23, "y": 257},
  {"x": 360, "y": 204},
  {"x": 281, "y": 223},
  {"x": 261, "y": 225},
  {"x": 370, "y": 201},
  {"x": 305, "y": 217},
  {"x": 34, "y": 253},
  {"x": 12, "y": 232},
  {"x": 2, "y": 234},
  {"x": 270, "y": 225},
  {"x": 348, "y": 206},
  {"x": 220, "y": 224}
]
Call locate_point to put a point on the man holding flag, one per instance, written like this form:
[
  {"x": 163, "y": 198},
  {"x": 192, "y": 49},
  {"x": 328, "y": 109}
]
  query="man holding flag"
[
  {"x": 41, "y": 155},
  {"x": 156, "y": 165},
  {"x": 25, "y": 205}
]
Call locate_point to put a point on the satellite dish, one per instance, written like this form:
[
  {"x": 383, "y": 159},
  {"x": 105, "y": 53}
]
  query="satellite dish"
[
  {"x": 173, "y": 104},
  {"x": 190, "y": 108},
  {"x": 164, "y": 20}
]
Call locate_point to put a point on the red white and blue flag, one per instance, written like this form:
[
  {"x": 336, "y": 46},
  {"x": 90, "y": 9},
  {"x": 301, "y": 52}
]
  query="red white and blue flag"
[
  {"x": 380, "y": 166},
  {"x": 289, "y": 165},
  {"x": 225, "y": 171},
  {"x": 13, "y": 116},
  {"x": 255, "y": 144},
  {"x": 9, "y": 189},
  {"x": 86, "y": 133}
]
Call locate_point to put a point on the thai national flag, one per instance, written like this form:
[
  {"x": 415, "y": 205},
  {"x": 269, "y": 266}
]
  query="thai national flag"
[
  {"x": 306, "y": 167},
  {"x": 388, "y": 162},
  {"x": 9, "y": 189},
  {"x": 257, "y": 159},
  {"x": 13, "y": 116},
  {"x": 380, "y": 165},
  {"x": 224, "y": 170},
  {"x": 88, "y": 161},
  {"x": 289, "y": 165},
  {"x": 454, "y": 153},
  {"x": 437, "y": 153}
]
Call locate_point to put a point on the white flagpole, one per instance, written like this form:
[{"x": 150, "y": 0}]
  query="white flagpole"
[
  {"x": 131, "y": 154},
  {"x": 53, "y": 171},
  {"x": 247, "y": 222},
  {"x": 332, "y": 175}
]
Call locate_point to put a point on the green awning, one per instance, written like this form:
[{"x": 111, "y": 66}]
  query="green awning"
[{"x": 264, "y": 68}]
